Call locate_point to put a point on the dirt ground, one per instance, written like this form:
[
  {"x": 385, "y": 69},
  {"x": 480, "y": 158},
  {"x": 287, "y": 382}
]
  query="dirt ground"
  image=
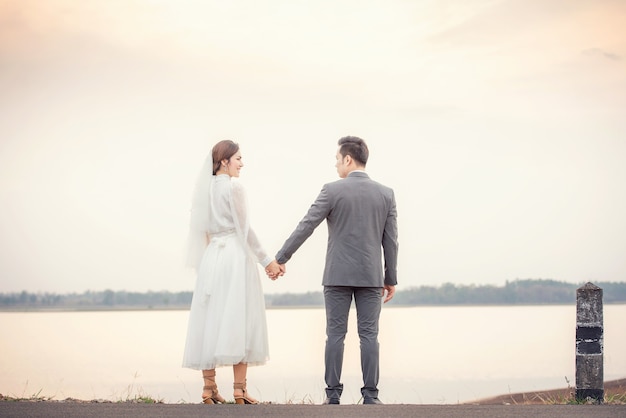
[{"x": 614, "y": 391}]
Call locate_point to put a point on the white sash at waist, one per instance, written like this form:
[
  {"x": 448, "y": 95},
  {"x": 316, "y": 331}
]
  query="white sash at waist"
[
  {"x": 222, "y": 233},
  {"x": 219, "y": 240}
]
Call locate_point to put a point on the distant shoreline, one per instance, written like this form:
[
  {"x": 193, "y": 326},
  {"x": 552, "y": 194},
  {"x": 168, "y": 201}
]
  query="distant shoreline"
[
  {"x": 281, "y": 307},
  {"x": 526, "y": 292}
]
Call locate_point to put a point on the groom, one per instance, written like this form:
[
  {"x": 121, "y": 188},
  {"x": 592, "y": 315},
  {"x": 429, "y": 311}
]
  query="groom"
[{"x": 362, "y": 228}]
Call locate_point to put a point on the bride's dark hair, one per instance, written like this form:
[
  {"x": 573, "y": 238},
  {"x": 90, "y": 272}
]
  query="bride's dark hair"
[{"x": 223, "y": 150}]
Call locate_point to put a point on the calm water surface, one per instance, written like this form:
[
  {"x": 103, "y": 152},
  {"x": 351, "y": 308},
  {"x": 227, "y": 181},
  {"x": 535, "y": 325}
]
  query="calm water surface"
[{"x": 428, "y": 354}]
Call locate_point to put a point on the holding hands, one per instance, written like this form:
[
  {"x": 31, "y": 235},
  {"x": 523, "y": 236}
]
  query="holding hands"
[{"x": 275, "y": 270}]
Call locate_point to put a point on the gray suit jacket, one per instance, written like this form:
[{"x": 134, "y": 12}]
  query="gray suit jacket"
[{"x": 361, "y": 218}]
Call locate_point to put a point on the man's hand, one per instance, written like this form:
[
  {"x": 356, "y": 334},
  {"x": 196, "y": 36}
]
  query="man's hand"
[
  {"x": 391, "y": 290},
  {"x": 275, "y": 270}
]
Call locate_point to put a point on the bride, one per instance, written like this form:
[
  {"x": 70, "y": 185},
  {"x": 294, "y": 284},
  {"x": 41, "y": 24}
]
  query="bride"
[{"x": 227, "y": 325}]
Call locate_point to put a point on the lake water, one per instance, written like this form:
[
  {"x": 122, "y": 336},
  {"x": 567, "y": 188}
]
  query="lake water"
[{"x": 429, "y": 355}]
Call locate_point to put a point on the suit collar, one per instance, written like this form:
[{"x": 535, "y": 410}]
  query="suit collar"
[{"x": 358, "y": 173}]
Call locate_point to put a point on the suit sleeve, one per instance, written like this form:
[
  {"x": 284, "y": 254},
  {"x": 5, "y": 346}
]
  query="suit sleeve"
[
  {"x": 390, "y": 244},
  {"x": 318, "y": 211}
]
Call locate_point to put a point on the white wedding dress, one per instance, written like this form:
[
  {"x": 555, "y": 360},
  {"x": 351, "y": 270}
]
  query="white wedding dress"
[{"x": 227, "y": 322}]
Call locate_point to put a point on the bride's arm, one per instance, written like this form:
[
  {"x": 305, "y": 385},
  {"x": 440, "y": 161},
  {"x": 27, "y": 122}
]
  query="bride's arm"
[{"x": 240, "y": 216}]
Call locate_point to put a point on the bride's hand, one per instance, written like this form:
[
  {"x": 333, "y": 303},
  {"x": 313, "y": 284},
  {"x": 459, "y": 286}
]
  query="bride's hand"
[{"x": 274, "y": 270}]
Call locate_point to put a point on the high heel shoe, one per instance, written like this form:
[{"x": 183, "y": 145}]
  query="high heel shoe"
[
  {"x": 214, "y": 397},
  {"x": 244, "y": 399}
]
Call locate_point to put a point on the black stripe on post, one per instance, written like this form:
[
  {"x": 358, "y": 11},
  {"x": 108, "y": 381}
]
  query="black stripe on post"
[{"x": 589, "y": 340}]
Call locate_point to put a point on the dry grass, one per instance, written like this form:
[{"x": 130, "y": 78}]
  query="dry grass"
[{"x": 614, "y": 393}]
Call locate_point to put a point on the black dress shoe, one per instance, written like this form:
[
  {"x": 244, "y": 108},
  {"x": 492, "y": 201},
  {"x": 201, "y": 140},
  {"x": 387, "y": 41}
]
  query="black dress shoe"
[
  {"x": 372, "y": 401},
  {"x": 331, "y": 401}
]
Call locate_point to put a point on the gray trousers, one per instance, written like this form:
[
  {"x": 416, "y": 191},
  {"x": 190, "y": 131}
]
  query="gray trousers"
[{"x": 368, "y": 303}]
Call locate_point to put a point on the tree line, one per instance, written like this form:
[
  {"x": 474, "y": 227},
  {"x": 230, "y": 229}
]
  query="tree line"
[{"x": 517, "y": 292}]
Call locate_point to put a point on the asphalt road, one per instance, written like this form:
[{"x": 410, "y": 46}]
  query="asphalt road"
[{"x": 115, "y": 410}]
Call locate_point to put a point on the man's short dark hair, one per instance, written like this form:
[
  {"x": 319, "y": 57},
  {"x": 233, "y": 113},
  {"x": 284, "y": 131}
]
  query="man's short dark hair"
[{"x": 355, "y": 147}]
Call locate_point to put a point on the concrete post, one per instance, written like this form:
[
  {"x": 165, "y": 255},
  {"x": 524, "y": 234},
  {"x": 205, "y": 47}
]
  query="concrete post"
[{"x": 589, "y": 344}]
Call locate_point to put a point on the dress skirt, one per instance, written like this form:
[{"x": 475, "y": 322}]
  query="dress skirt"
[{"x": 227, "y": 322}]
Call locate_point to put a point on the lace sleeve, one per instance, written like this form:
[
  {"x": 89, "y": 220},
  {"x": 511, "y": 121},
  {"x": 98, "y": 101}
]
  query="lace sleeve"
[{"x": 239, "y": 209}]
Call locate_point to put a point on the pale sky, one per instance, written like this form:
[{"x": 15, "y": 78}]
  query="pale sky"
[{"x": 500, "y": 124}]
